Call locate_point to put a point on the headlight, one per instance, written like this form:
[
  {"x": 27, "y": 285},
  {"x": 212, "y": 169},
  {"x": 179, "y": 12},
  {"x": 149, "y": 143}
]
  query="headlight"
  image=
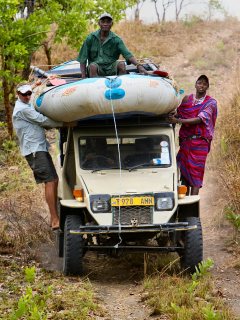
[
  {"x": 100, "y": 203},
  {"x": 164, "y": 201}
]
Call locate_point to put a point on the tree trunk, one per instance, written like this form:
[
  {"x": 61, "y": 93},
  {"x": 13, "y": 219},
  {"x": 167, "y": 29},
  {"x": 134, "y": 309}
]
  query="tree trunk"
[
  {"x": 26, "y": 71},
  {"x": 136, "y": 14},
  {"x": 164, "y": 16},
  {"x": 8, "y": 109},
  {"x": 157, "y": 13},
  {"x": 47, "y": 50},
  {"x": 165, "y": 6}
]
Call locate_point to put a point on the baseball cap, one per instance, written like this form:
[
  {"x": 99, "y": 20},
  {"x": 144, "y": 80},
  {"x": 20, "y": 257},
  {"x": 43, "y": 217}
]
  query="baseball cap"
[
  {"x": 105, "y": 15},
  {"x": 24, "y": 88},
  {"x": 203, "y": 77}
]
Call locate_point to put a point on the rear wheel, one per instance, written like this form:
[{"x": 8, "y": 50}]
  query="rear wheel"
[
  {"x": 73, "y": 247},
  {"x": 192, "y": 253}
]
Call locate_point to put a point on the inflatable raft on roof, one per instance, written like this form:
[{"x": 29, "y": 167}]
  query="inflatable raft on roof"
[{"x": 97, "y": 97}]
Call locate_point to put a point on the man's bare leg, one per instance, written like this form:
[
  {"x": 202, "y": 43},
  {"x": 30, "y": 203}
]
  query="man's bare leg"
[
  {"x": 93, "y": 70},
  {"x": 51, "y": 199},
  {"x": 121, "y": 67},
  {"x": 194, "y": 191}
]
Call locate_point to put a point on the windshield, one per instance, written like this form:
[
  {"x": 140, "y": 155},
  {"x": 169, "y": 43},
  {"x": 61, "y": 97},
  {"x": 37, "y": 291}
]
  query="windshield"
[{"x": 98, "y": 153}]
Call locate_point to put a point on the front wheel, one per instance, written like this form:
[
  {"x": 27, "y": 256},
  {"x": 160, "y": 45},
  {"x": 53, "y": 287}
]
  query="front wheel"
[
  {"x": 73, "y": 247},
  {"x": 192, "y": 253}
]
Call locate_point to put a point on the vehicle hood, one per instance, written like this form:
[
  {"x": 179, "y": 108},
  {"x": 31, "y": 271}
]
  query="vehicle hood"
[{"x": 105, "y": 182}]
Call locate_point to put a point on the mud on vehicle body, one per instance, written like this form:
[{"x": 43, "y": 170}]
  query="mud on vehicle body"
[{"x": 119, "y": 189}]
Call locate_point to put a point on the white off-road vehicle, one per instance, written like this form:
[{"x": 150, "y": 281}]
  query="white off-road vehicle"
[{"x": 118, "y": 191}]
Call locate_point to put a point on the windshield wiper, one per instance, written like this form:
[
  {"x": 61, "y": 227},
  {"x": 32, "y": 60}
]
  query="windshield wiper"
[
  {"x": 108, "y": 168},
  {"x": 138, "y": 166},
  {"x": 129, "y": 169}
]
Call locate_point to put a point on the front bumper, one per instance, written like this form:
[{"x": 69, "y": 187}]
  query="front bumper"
[
  {"x": 165, "y": 227},
  {"x": 118, "y": 232}
]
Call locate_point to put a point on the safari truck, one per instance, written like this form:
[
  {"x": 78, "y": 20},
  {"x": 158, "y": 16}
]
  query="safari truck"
[{"x": 119, "y": 192}]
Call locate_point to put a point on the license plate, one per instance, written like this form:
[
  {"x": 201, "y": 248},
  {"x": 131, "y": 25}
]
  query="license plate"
[{"x": 132, "y": 201}]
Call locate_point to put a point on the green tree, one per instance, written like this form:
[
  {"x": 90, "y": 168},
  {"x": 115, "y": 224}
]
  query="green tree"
[
  {"x": 25, "y": 26},
  {"x": 214, "y": 6},
  {"x": 19, "y": 38}
]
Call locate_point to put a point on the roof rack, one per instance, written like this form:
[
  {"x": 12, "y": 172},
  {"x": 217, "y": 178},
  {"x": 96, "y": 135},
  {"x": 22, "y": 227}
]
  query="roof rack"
[
  {"x": 72, "y": 71},
  {"x": 136, "y": 120}
]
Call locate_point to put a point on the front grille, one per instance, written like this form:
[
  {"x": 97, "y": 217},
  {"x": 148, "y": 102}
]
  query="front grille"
[{"x": 132, "y": 215}]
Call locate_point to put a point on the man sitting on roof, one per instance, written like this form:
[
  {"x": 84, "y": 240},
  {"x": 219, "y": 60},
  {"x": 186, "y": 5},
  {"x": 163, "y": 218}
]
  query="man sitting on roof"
[{"x": 102, "y": 49}]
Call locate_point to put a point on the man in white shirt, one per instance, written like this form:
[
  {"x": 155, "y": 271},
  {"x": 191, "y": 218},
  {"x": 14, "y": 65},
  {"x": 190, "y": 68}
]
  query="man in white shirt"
[{"x": 29, "y": 126}]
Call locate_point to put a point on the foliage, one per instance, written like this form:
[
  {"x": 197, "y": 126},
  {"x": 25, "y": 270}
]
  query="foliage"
[
  {"x": 33, "y": 303},
  {"x": 19, "y": 38},
  {"x": 185, "y": 298},
  {"x": 191, "y": 20},
  {"x": 30, "y": 293},
  {"x": 202, "y": 270},
  {"x": 30, "y": 274},
  {"x": 214, "y": 6},
  {"x": 234, "y": 217},
  {"x": 210, "y": 314}
]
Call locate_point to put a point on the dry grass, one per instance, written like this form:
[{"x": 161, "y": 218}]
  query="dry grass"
[
  {"x": 23, "y": 212},
  {"x": 229, "y": 163},
  {"x": 227, "y": 157},
  {"x": 218, "y": 54},
  {"x": 22, "y": 222}
]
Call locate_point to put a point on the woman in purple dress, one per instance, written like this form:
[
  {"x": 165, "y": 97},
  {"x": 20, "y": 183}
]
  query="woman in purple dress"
[{"x": 197, "y": 115}]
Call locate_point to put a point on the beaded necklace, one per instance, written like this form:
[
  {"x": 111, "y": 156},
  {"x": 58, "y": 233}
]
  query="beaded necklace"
[{"x": 198, "y": 101}]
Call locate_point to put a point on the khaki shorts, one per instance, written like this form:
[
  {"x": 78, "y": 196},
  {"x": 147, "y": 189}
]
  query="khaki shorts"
[
  {"x": 106, "y": 70},
  {"x": 42, "y": 166}
]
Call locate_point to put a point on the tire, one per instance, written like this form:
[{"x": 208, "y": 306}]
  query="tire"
[
  {"x": 60, "y": 239},
  {"x": 192, "y": 253},
  {"x": 73, "y": 247}
]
